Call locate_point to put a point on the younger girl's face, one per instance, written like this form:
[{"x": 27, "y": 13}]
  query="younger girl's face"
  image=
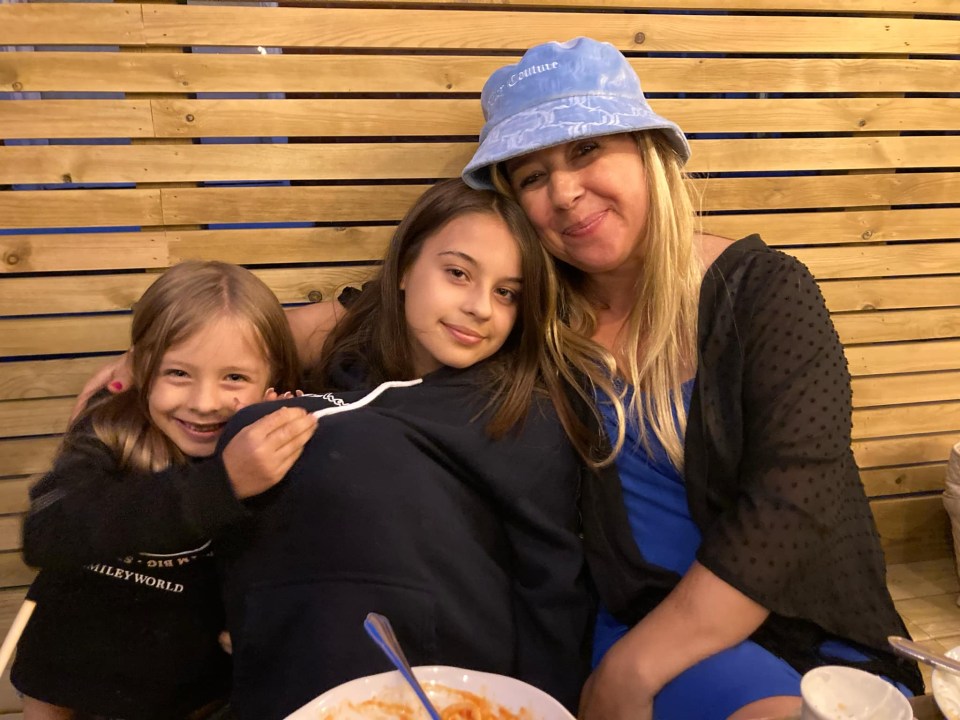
[
  {"x": 204, "y": 380},
  {"x": 462, "y": 292}
]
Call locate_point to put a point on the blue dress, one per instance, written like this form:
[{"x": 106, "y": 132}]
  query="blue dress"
[{"x": 655, "y": 498}]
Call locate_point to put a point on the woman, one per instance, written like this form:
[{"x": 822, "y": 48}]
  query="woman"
[{"x": 738, "y": 550}]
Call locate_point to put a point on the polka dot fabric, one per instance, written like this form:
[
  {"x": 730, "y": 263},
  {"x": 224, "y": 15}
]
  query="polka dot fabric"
[{"x": 771, "y": 480}]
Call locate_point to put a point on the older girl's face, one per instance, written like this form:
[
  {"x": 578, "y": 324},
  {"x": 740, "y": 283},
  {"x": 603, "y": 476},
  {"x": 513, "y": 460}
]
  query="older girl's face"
[
  {"x": 461, "y": 293},
  {"x": 587, "y": 199}
]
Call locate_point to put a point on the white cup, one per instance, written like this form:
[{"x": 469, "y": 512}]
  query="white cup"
[{"x": 836, "y": 692}]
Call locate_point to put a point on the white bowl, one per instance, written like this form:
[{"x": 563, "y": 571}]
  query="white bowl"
[
  {"x": 444, "y": 685},
  {"x": 838, "y": 692},
  {"x": 946, "y": 688}
]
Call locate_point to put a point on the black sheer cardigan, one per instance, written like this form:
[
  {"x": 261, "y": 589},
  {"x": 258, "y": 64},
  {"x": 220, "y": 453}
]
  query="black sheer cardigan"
[{"x": 771, "y": 480}]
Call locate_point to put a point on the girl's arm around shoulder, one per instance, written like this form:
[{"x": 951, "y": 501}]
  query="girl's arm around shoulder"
[
  {"x": 310, "y": 325},
  {"x": 87, "y": 509}
]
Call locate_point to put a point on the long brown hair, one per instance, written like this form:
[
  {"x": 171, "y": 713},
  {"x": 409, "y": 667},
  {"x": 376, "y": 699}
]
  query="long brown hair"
[
  {"x": 374, "y": 330},
  {"x": 180, "y": 303}
]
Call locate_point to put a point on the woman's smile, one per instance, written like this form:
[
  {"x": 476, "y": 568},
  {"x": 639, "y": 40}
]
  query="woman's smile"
[{"x": 590, "y": 224}]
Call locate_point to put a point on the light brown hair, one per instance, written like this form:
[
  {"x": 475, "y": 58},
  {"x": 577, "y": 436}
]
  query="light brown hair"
[{"x": 180, "y": 303}]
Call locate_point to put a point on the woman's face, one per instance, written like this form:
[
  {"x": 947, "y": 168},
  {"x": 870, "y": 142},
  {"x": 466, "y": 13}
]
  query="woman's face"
[
  {"x": 587, "y": 199},
  {"x": 462, "y": 292}
]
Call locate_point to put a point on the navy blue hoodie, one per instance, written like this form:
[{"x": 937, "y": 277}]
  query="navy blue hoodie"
[{"x": 406, "y": 507}]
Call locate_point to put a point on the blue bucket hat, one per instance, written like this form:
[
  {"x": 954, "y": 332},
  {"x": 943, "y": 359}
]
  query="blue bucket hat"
[{"x": 560, "y": 92}]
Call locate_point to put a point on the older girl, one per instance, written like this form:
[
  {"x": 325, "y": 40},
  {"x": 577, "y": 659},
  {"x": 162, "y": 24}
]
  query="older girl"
[{"x": 440, "y": 489}]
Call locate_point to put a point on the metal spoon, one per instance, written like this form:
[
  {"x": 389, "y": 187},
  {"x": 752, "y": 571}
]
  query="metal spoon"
[
  {"x": 380, "y": 629},
  {"x": 912, "y": 650}
]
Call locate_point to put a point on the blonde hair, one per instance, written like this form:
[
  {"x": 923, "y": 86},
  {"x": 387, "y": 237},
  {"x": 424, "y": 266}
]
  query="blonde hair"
[
  {"x": 180, "y": 303},
  {"x": 656, "y": 348}
]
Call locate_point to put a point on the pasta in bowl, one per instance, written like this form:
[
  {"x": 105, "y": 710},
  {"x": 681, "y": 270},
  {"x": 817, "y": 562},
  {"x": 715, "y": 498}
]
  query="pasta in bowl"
[{"x": 458, "y": 694}]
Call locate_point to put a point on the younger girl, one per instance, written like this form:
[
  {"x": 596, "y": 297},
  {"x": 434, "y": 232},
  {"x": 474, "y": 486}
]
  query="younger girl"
[
  {"x": 128, "y": 610},
  {"x": 441, "y": 489}
]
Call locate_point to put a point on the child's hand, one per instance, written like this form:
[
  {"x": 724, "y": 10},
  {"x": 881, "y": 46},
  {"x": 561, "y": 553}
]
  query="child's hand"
[
  {"x": 226, "y": 642},
  {"x": 260, "y": 454},
  {"x": 271, "y": 394},
  {"x": 116, "y": 376}
]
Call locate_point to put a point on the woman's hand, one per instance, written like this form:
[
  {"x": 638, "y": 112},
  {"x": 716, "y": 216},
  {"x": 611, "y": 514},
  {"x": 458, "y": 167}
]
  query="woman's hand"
[
  {"x": 615, "y": 690},
  {"x": 701, "y": 616},
  {"x": 116, "y": 376},
  {"x": 260, "y": 455}
]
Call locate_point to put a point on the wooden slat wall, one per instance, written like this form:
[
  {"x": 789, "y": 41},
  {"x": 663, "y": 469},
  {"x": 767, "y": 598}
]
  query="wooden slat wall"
[{"x": 829, "y": 126}]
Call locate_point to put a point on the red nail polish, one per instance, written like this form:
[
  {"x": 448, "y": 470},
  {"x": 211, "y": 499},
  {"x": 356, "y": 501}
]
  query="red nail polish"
[{"x": 116, "y": 385}]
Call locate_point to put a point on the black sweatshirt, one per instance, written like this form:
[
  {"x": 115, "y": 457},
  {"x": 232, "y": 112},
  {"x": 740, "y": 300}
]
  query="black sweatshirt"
[
  {"x": 406, "y": 507},
  {"x": 128, "y": 606}
]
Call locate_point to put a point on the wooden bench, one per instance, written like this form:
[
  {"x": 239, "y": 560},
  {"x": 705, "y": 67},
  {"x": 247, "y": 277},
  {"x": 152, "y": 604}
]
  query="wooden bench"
[{"x": 830, "y": 126}]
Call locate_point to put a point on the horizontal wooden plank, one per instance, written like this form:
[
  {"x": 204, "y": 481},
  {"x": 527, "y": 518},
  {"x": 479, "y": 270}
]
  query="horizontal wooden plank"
[
  {"x": 894, "y": 293},
  {"x": 903, "y": 450},
  {"x": 904, "y": 389},
  {"x": 908, "y": 7},
  {"x": 84, "y": 251},
  {"x": 509, "y": 29},
  {"x": 183, "y": 206},
  {"x": 27, "y": 456},
  {"x": 70, "y": 24},
  {"x": 822, "y": 153},
  {"x": 10, "y": 532},
  {"x": 65, "y": 335},
  {"x": 894, "y": 325},
  {"x": 13, "y": 571},
  {"x": 14, "y": 496},
  {"x": 19, "y": 418},
  {"x": 388, "y": 161},
  {"x": 59, "y": 378},
  {"x": 327, "y": 244},
  {"x": 829, "y": 191},
  {"x": 881, "y": 260},
  {"x": 902, "y": 480},
  {"x": 10, "y": 601},
  {"x": 76, "y": 119},
  {"x": 79, "y": 208},
  {"x": 906, "y": 420},
  {"x": 927, "y": 356},
  {"x": 119, "y": 251},
  {"x": 111, "y": 293},
  {"x": 34, "y": 455},
  {"x": 832, "y": 227},
  {"x": 391, "y": 117},
  {"x": 177, "y": 73},
  {"x": 46, "y": 378},
  {"x": 187, "y": 206},
  {"x": 912, "y": 528},
  {"x": 23, "y": 418}
]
